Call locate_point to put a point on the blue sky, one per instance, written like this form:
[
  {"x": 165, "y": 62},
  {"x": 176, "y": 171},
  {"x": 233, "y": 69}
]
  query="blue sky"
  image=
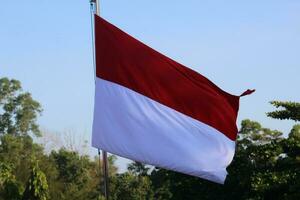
[{"x": 46, "y": 44}]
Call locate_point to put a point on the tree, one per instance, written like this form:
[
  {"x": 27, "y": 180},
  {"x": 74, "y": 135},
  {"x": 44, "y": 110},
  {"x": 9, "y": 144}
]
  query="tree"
[
  {"x": 127, "y": 186},
  {"x": 132, "y": 185},
  {"x": 37, "y": 186},
  {"x": 68, "y": 174},
  {"x": 18, "y": 110},
  {"x": 9, "y": 187},
  {"x": 138, "y": 168},
  {"x": 78, "y": 176},
  {"x": 291, "y": 110},
  {"x": 72, "y": 173},
  {"x": 18, "y": 151}
]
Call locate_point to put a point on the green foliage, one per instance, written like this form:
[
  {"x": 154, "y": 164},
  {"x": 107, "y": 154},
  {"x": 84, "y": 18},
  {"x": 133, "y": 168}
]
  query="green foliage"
[
  {"x": 291, "y": 110},
  {"x": 127, "y": 186},
  {"x": 9, "y": 187},
  {"x": 253, "y": 133},
  {"x": 74, "y": 174},
  {"x": 37, "y": 186},
  {"x": 18, "y": 111},
  {"x": 18, "y": 151},
  {"x": 132, "y": 185},
  {"x": 295, "y": 133},
  {"x": 138, "y": 168},
  {"x": 71, "y": 166}
]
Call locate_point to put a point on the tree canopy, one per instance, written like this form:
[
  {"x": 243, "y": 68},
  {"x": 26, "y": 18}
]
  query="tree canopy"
[
  {"x": 291, "y": 110},
  {"x": 19, "y": 110}
]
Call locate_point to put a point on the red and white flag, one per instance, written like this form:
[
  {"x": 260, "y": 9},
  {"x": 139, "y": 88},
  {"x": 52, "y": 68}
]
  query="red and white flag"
[{"x": 151, "y": 109}]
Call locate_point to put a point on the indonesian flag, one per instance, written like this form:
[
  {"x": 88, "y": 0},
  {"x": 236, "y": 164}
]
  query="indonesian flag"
[{"x": 151, "y": 109}]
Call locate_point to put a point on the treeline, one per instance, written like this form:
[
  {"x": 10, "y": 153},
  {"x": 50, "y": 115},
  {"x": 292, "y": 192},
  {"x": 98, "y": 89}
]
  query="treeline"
[{"x": 266, "y": 164}]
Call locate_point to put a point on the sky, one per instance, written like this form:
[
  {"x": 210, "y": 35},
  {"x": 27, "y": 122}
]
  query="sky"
[{"x": 47, "y": 45}]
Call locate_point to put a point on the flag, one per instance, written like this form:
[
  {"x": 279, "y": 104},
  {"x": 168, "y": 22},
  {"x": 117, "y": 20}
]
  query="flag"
[{"x": 151, "y": 109}]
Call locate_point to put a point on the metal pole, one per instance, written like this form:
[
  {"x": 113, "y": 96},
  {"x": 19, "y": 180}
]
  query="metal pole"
[
  {"x": 105, "y": 173},
  {"x": 96, "y": 4}
]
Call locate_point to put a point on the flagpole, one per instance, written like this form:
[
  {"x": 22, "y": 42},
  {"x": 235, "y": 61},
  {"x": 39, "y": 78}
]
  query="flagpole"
[
  {"x": 105, "y": 173},
  {"x": 96, "y": 6}
]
